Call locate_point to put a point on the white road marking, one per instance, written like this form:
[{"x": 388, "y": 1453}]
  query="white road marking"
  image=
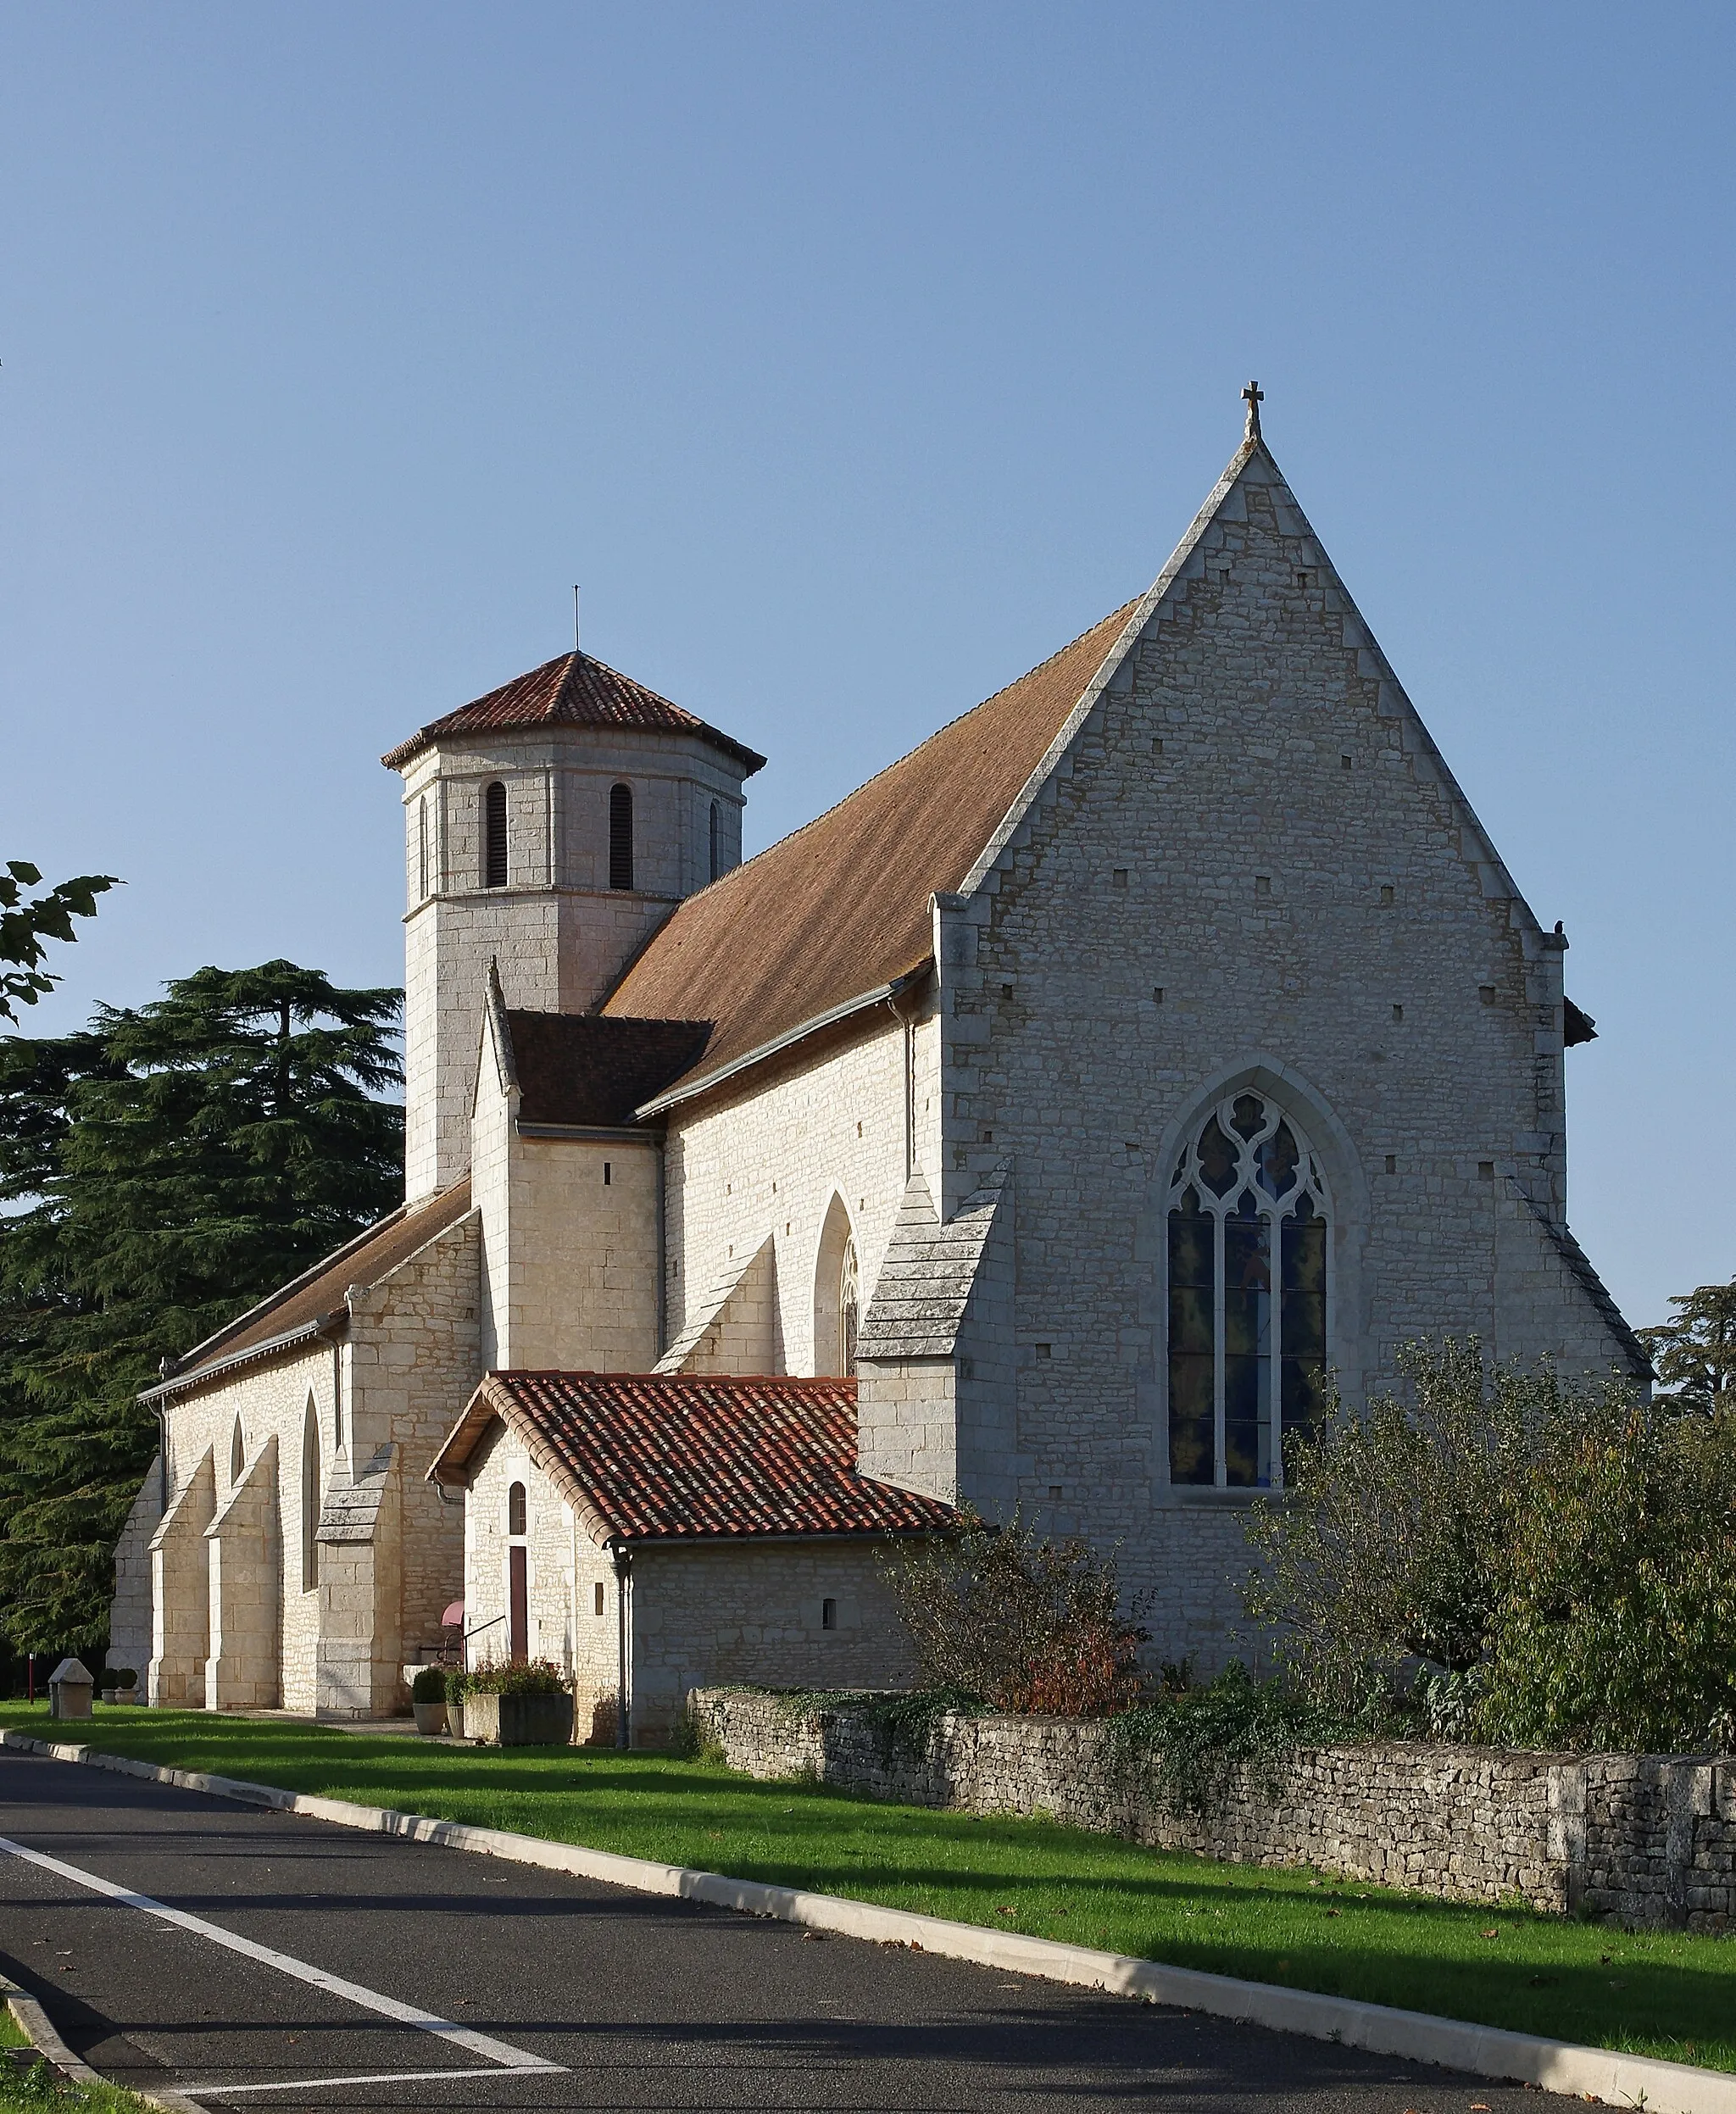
[
  {"x": 307, "y": 2084},
  {"x": 498, "y": 2051}
]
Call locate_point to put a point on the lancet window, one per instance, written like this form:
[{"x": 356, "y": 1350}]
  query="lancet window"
[{"x": 1248, "y": 1264}]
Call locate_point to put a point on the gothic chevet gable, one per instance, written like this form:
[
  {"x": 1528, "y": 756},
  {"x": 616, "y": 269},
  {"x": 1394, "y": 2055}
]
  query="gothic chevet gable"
[{"x": 1248, "y": 1265}]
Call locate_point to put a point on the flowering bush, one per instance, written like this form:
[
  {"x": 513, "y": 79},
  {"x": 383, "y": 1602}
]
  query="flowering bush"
[{"x": 516, "y": 1677}]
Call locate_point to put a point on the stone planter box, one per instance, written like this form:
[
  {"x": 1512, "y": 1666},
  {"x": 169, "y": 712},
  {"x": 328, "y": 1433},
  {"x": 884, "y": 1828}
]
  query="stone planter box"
[
  {"x": 519, "y": 1721},
  {"x": 430, "y": 1717}
]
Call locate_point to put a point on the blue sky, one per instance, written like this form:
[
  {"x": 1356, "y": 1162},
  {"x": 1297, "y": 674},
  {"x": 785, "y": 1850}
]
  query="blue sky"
[{"x": 854, "y": 358}]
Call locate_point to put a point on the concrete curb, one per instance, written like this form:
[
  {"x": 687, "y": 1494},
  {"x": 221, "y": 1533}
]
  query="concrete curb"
[
  {"x": 1486, "y": 2051},
  {"x": 33, "y": 2021}
]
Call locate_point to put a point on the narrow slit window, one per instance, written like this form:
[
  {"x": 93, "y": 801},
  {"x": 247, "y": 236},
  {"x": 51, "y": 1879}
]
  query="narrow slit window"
[
  {"x": 310, "y": 1497},
  {"x": 716, "y": 849},
  {"x": 828, "y": 1614},
  {"x": 596, "y": 1598},
  {"x": 422, "y": 850},
  {"x": 516, "y": 1509},
  {"x": 1247, "y": 1267},
  {"x": 494, "y": 861},
  {"x": 620, "y": 837}
]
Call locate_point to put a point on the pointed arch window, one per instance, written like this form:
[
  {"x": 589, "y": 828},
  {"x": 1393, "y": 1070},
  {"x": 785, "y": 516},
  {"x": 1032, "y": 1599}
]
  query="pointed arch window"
[
  {"x": 1249, "y": 1261},
  {"x": 620, "y": 837},
  {"x": 494, "y": 841},
  {"x": 238, "y": 1454},
  {"x": 310, "y": 1497}
]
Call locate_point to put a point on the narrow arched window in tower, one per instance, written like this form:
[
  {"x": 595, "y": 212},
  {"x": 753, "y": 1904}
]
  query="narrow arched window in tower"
[
  {"x": 494, "y": 863},
  {"x": 620, "y": 837},
  {"x": 422, "y": 849},
  {"x": 310, "y": 1497},
  {"x": 1249, "y": 1262},
  {"x": 515, "y": 1512},
  {"x": 716, "y": 853},
  {"x": 238, "y": 1454}
]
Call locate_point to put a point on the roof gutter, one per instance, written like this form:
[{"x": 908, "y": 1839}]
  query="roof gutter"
[
  {"x": 322, "y": 1325},
  {"x": 861, "y": 1003}
]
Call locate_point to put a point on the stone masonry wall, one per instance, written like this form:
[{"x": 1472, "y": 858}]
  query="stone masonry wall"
[
  {"x": 412, "y": 1362},
  {"x": 570, "y": 1252},
  {"x": 768, "y": 1163},
  {"x": 1645, "y": 1840},
  {"x": 756, "y": 1612}
]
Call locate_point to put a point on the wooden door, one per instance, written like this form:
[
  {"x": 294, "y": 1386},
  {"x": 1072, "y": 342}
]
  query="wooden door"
[{"x": 519, "y": 1602}]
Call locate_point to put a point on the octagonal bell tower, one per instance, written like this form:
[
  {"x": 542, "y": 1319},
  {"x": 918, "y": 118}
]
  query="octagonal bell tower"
[{"x": 551, "y": 826}]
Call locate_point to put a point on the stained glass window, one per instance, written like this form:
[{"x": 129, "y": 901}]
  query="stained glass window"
[{"x": 1248, "y": 1268}]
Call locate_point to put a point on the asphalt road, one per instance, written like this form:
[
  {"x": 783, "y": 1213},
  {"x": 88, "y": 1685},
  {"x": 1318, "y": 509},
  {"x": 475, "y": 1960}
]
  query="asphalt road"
[{"x": 641, "y": 2001}]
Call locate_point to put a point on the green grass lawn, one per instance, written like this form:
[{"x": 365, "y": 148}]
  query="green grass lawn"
[
  {"x": 1663, "y": 1995},
  {"x": 43, "y": 2092}
]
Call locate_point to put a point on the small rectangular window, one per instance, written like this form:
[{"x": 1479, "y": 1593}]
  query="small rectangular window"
[
  {"x": 605, "y": 1174},
  {"x": 1045, "y": 1350},
  {"x": 828, "y": 1614},
  {"x": 596, "y": 1598},
  {"x": 1262, "y": 884}
]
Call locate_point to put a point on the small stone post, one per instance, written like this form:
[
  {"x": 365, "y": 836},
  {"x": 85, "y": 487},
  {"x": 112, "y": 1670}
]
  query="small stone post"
[{"x": 69, "y": 1688}]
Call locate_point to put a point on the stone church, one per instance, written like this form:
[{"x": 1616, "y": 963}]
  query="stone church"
[{"x": 1052, "y": 1123}]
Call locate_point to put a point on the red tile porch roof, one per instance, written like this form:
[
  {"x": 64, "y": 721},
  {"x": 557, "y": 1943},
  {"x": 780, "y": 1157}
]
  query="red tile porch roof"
[
  {"x": 572, "y": 690},
  {"x": 700, "y": 1458}
]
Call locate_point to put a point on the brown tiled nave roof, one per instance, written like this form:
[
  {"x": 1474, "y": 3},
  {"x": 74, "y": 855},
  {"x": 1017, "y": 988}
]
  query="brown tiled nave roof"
[
  {"x": 321, "y": 1290},
  {"x": 841, "y": 907}
]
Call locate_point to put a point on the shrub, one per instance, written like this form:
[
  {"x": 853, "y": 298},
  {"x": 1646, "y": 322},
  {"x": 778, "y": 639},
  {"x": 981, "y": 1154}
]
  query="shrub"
[
  {"x": 1391, "y": 1550},
  {"x": 1510, "y": 1559},
  {"x": 457, "y": 1682},
  {"x": 516, "y": 1677},
  {"x": 1185, "y": 1745},
  {"x": 1615, "y": 1630},
  {"x": 123, "y": 1677},
  {"x": 429, "y": 1685},
  {"x": 1007, "y": 1617}
]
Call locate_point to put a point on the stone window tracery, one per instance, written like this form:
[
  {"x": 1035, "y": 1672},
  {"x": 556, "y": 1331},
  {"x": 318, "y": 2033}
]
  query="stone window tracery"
[
  {"x": 849, "y": 1306},
  {"x": 1249, "y": 1263}
]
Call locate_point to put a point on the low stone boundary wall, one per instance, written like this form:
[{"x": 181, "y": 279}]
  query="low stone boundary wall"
[{"x": 1646, "y": 1839}]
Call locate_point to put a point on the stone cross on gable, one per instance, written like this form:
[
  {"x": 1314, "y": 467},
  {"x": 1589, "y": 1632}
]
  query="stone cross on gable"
[{"x": 1253, "y": 395}]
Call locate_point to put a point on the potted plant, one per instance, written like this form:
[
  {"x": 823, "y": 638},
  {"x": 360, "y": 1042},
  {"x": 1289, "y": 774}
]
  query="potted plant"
[
  {"x": 110, "y": 1691},
  {"x": 428, "y": 1699},
  {"x": 521, "y": 1703},
  {"x": 456, "y": 1684},
  {"x": 126, "y": 1685}
]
